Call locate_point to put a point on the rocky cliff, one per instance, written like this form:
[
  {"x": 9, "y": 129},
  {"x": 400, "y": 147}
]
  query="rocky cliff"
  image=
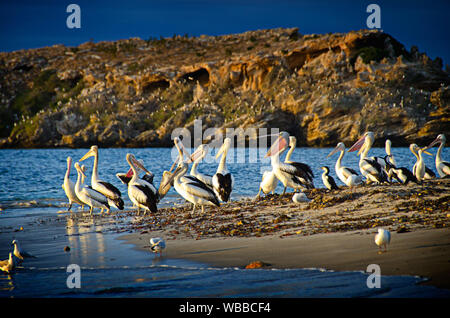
[{"x": 132, "y": 93}]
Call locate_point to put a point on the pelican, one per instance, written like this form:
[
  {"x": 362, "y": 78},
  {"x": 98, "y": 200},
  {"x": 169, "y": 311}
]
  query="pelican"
[
  {"x": 383, "y": 238},
  {"x": 308, "y": 182},
  {"x": 142, "y": 193},
  {"x": 69, "y": 186},
  {"x": 300, "y": 198},
  {"x": 347, "y": 175},
  {"x": 8, "y": 265},
  {"x": 89, "y": 196},
  {"x": 370, "y": 167},
  {"x": 387, "y": 147},
  {"x": 196, "y": 157},
  {"x": 223, "y": 180},
  {"x": 328, "y": 180},
  {"x": 442, "y": 167},
  {"x": 193, "y": 191},
  {"x": 268, "y": 183},
  {"x": 107, "y": 189},
  {"x": 429, "y": 174},
  {"x": 126, "y": 177},
  {"x": 157, "y": 244},
  {"x": 292, "y": 175},
  {"x": 403, "y": 175},
  {"x": 19, "y": 253}
]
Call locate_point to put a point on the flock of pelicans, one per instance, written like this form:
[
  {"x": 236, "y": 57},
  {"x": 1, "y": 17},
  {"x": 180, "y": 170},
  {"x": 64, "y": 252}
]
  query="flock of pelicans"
[{"x": 201, "y": 189}]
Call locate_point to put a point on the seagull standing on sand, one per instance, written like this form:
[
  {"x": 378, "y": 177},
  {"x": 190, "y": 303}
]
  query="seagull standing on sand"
[
  {"x": 300, "y": 198},
  {"x": 383, "y": 238},
  {"x": 19, "y": 253},
  {"x": 8, "y": 265},
  {"x": 157, "y": 244}
]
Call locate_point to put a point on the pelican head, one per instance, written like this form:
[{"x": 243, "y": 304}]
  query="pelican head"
[
  {"x": 339, "y": 147},
  {"x": 201, "y": 152},
  {"x": 181, "y": 152},
  {"x": 69, "y": 162},
  {"x": 91, "y": 153},
  {"x": 77, "y": 166},
  {"x": 14, "y": 242},
  {"x": 181, "y": 169},
  {"x": 224, "y": 148},
  {"x": 279, "y": 145},
  {"x": 439, "y": 139},
  {"x": 365, "y": 141},
  {"x": 133, "y": 162},
  {"x": 292, "y": 141}
]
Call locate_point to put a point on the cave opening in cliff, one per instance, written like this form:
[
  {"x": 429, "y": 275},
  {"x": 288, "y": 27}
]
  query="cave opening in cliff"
[
  {"x": 152, "y": 86},
  {"x": 201, "y": 75}
]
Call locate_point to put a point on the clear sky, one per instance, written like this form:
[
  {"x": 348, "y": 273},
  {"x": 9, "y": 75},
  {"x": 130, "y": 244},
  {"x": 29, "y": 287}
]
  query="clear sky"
[{"x": 32, "y": 23}]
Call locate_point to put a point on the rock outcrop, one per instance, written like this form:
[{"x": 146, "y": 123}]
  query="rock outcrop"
[{"x": 134, "y": 93}]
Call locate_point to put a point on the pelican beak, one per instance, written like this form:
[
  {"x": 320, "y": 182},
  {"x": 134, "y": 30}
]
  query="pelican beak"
[
  {"x": 197, "y": 153},
  {"x": 220, "y": 150},
  {"x": 437, "y": 140},
  {"x": 428, "y": 153},
  {"x": 279, "y": 145},
  {"x": 140, "y": 165},
  {"x": 129, "y": 173},
  {"x": 333, "y": 152},
  {"x": 358, "y": 145},
  {"x": 88, "y": 154},
  {"x": 170, "y": 178}
]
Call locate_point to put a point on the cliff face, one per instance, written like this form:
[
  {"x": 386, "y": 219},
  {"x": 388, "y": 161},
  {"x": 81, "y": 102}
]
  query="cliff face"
[{"x": 133, "y": 93}]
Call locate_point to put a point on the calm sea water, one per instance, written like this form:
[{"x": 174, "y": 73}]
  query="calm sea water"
[{"x": 31, "y": 194}]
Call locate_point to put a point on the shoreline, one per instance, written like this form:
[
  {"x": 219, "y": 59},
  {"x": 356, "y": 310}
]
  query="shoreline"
[{"x": 334, "y": 231}]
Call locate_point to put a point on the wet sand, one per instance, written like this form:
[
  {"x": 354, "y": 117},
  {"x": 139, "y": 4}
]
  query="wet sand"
[{"x": 335, "y": 231}]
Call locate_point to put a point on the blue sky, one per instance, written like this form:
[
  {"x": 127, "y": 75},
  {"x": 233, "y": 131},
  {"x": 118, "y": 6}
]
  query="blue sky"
[{"x": 30, "y": 24}]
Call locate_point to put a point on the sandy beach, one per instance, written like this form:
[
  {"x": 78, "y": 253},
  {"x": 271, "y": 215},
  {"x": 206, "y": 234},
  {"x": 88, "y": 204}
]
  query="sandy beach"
[{"x": 334, "y": 231}]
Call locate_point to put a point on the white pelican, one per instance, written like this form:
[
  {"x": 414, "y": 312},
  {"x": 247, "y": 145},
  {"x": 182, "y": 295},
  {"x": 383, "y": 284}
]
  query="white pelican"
[
  {"x": 89, "y": 196},
  {"x": 383, "y": 238},
  {"x": 142, "y": 193},
  {"x": 196, "y": 157},
  {"x": 126, "y": 177},
  {"x": 157, "y": 244},
  {"x": 308, "y": 182},
  {"x": 268, "y": 183},
  {"x": 403, "y": 175},
  {"x": 8, "y": 265},
  {"x": 347, "y": 175},
  {"x": 19, "y": 253},
  {"x": 442, "y": 167},
  {"x": 223, "y": 180},
  {"x": 429, "y": 174},
  {"x": 387, "y": 147},
  {"x": 371, "y": 167},
  {"x": 328, "y": 180},
  {"x": 300, "y": 198},
  {"x": 107, "y": 189},
  {"x": 294, "y": 175},
  {"x": 191, "y": 190},
  {"x": 69, "y": 186}
]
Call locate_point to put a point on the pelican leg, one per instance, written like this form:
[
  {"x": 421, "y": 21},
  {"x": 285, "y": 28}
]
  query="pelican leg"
[
  {"x": 92, "y": 208},
  {"x": 70, "y": 206},
  {"x": 284, "y": 191},
  {"x": 203, "y": 209},
  {"x": 193, "y": 210}
]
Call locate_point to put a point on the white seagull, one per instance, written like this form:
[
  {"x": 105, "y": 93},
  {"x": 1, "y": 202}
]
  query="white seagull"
[
  {"x": 294, "y": 175},
  {"x": 300, "y": 198},
  {"x": 347, "y": 175},
  {"x": 442, "y": 167},
  {"x": 383, "y": 238},
  {"x": 223, "y": 180},
  {"x": 89, "y": 196},
  {"x": 157, "y": 245},
  {"x": 8, "y": 265},
  {"x": 107, "y": 189},
  {"x": 19, "y": 253}
]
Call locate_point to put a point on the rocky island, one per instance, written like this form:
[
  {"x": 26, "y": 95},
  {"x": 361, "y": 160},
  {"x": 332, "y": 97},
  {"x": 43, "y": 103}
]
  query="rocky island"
[{"x": 321, "y": 88}]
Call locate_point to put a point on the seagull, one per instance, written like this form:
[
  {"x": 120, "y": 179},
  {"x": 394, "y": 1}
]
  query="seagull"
[
  {"x": 383, "y": 238},
  {"x": 157, "y": 245},
  {"x": 300, "y": 197},
  {"x": 19, "y": 253},
  {"x": 8, "y": 265}
]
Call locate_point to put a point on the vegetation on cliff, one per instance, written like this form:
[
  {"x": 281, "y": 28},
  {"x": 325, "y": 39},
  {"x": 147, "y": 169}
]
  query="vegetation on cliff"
[{"x": 321, "y": 88}]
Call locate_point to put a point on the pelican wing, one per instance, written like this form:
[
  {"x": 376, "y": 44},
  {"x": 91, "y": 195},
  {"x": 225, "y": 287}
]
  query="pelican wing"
[
  {"x": 298, "y": 169},
  {"x": 347, "y": 172},
  {"x": 108, "y": 190},
  {"x": 94, "y": 194},
  {"x": 427, "y": 171},
  {"x": 201, "y": 190},
  {"x": 145, "y": 195}
]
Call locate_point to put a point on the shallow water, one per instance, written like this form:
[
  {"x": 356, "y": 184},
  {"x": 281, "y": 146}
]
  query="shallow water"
[{"x": 31, "y": 195}]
